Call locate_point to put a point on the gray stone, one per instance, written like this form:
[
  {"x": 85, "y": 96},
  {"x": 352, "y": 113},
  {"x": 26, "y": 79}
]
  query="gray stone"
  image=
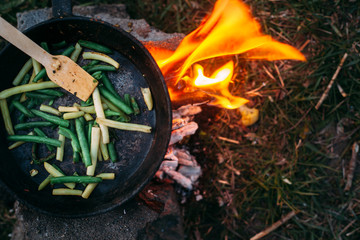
[{"x": 114, "y": 14}]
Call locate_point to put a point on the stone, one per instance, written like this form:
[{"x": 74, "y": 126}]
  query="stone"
[{"x": 114, "y": 14}]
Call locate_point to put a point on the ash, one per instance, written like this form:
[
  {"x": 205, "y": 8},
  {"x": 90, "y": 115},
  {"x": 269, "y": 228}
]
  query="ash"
[{"x": 179, "y": 164}]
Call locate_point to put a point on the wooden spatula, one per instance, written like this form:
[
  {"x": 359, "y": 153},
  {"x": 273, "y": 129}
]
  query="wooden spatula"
[{"x": 60, "y": 69}]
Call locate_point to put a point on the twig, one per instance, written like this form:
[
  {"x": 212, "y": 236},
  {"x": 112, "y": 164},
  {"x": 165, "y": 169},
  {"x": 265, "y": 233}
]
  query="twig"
[
  {"x": 237, "y": 172},
  {"x": 352, "y": 165},
  {"x": 304, "y": 45},
  {"x": 228, "y": 140},
  {"x": 269, "y": 74},
  {"x": 341, "y": 90},
  {"x": 280, "y": 78},
  {"x": 326, "y": 93},
  {"x": 277, "y": 224},
  {"x": 347, "y": 227}
]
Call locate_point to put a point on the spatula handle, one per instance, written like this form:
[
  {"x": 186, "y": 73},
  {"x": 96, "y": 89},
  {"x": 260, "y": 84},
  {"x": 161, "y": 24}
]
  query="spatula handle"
[{"x": 22, "y": 42}]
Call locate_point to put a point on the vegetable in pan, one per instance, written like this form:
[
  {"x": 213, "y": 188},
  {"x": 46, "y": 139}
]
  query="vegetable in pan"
[{"x": 32, "y": 97}]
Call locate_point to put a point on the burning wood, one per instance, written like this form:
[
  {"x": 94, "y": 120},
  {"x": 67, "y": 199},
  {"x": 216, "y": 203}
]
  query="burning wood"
[
  {"x": 178, "y": 134},
  {"x": 179, "y": 164}
]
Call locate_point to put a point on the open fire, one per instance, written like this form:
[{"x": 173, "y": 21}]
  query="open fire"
[
  {"x": 229, "y": 30},
  {"x": 198, "y": 65}
]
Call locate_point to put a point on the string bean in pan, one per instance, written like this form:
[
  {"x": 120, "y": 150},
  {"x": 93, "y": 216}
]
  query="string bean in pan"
[{"x": 67, "y": 121}]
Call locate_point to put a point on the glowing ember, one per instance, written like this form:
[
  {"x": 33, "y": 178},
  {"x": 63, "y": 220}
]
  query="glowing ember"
[{"x": 229, "y": 30}]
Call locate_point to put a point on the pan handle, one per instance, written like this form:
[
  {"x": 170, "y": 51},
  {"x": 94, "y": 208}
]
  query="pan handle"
[{"x": 61, "y": 8}]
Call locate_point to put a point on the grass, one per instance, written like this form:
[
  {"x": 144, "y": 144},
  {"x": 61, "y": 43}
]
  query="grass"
[{"x": 296, "y": 157}]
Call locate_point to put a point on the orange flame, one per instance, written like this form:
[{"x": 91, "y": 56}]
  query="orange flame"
[
  {"x": 229, "y": 30},
  {"x": 217, "y": 85}
]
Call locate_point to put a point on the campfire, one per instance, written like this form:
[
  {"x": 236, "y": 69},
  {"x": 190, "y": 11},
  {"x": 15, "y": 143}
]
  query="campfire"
[
  {"x": 197, "y": 67},
  {"x": 229, "y": 30}
]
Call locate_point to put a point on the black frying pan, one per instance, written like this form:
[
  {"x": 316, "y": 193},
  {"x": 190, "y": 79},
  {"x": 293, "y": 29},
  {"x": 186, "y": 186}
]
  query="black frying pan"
[{"x": 139, "y": 154}]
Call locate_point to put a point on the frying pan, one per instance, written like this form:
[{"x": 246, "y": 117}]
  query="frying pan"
[{"x": 139, "y": 154}]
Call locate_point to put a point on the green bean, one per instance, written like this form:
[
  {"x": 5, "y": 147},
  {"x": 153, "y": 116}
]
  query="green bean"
[
  {"x": 57, "y": 168},
  {"x": 82, "y": 120},
  {"x": 45, "y": 46},
  {"x": 44, "y": 183},
  {"x": 36, "y": 65},
  {"x": 111, "y": 113},
  {"x": 76, "y": 157},
  {"x": 47, "y": 158},
  {"x": 97, "y": 75},
  {"x": 40, "y": 75},
  {"x": 87, "y": 103},
  {"x": 39, "y": 96},
  {"x": 112, "y": 151},
  {"x": 73, "y": 129},
  {"x": 83, "y": 143},
  {"x": 36, "y": 139},
  {"x": 93, "y": 62},
  {"x": 6, "y": 117},
  {"x": 19, "y": 77},
  {"x": 22, "y": 109},
  {"x": 13, "y": 98},
  {"x": 76, "y": 174},
  {"x": 66, "y": 192},
  {"x": 135, "y": 106},
  {"x": 75, "y": 179},
  {"x": 75, "y": 144},
  {"x": 95, "y": 46},
  {"x": 30, "y": 104},
  {"x": 75, "y": 54},
  {"x": 26, "y": 79},
  {"x": 146, "y": 92},
  {"x": 115, "y": 100},
  {"x": 40, "y": 133},
  {"x": 124, "y": 117},
  {"x": 89, "y": 127},
  {"x": 124, "y": 126},
  {"x": 127, "y": 99},
  {"x": 48, "y": 109},
  {"x": 27, "y": 125},
  {"x": 51, "y": 92},
  {"x": 107, "y": 83},
  {"x": 70, "y": 134},
  {"x": 59, "y": 44},
  {"x": 26, "y": 88},
  {"x": 90, "y": 64},
  {"x": 100, "y": 67},
  {"x": 67, "y": 52},
  {"x": 54, "y": 119}
]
